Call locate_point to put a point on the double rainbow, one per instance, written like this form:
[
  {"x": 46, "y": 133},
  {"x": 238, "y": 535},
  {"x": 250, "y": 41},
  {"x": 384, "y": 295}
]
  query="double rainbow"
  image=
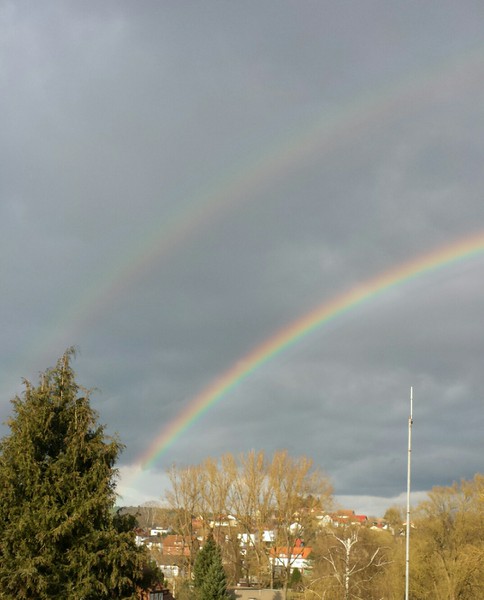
[{"x": 202, "y": 207}]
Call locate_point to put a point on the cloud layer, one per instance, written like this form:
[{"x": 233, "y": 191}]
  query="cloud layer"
[{"x": 180, "y": 182}]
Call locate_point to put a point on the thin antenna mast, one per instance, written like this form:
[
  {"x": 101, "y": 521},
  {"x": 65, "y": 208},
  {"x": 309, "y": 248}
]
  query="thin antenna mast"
[{"x": 407, "y": 539}]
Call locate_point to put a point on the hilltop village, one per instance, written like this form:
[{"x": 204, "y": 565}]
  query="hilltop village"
[
  {"x": 270, "y": 520},
  {"x": 300, "y": 550},
  {"x": 173, "y": 552}
]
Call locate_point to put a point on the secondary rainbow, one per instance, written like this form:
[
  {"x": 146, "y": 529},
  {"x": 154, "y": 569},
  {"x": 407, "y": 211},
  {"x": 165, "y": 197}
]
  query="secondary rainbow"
[
  {"x": 337, "y": 306},
  {"x": 202, "y": 207}
]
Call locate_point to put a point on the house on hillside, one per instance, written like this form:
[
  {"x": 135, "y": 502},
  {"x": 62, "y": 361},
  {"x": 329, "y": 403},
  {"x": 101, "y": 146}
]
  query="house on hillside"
[
  {"x": 342, "y": 518},
  {"x": 177, "y": 545},
  {"x": 294, "y": 558},
  {"x": 159, "y": 531},
  {"x": 223, "y": 521},
  {"x": 153, "y": 542}
]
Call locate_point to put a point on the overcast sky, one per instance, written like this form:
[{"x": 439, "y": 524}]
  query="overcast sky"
[{"x": 180, "y": 181}]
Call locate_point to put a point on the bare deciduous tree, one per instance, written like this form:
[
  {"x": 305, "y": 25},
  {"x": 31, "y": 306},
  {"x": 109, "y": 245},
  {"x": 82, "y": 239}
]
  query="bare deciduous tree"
[
  {"x": 298, "y": 491},
  {"x": 185, "y": 498},
  {"x": 350, "y": 561},
  {"x": 448, "y": 555},
  {"x": 279, "y": 495}
]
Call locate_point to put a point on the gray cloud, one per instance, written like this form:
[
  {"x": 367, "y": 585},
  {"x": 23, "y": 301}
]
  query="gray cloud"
[{"x": 178, "y": 184}]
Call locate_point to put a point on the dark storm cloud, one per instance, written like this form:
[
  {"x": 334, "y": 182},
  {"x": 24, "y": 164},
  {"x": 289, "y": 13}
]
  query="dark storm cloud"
[{"x": 342, "y": 139}]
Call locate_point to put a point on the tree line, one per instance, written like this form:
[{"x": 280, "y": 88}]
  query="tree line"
[
  {"x": 287, "y": 496},
  {"x": 281, "y": 492}
]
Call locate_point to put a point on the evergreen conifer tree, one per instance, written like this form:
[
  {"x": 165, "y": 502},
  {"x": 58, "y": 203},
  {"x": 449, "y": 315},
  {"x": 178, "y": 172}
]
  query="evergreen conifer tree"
[
  {"x": 59, "y": 534},
  {"x": 210, "y": 581},
  {"x": 203, "y": 561}
]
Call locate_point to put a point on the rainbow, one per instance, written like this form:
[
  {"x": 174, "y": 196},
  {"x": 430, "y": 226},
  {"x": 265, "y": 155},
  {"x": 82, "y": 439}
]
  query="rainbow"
[
  {"x": 238, "y": 184},
  {"x": 298, "y": 329}
]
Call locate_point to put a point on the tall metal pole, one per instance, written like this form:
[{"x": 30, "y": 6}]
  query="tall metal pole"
[{"x": 407, "y": 539}]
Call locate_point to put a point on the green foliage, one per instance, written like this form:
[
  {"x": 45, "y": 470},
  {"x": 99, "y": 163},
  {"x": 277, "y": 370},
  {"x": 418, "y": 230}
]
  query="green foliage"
[
  {"x": 151, "y": 575},
  {"x": 59, "y": 537},
  {"x": 295, "y": 581},
  {"x": 204, "y": 559},
  {"x": 209, "y": 576}
]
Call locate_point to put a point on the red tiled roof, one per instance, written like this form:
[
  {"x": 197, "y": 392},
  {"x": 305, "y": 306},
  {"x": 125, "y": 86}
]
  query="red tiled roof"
[{"x": 297, "y": 552}]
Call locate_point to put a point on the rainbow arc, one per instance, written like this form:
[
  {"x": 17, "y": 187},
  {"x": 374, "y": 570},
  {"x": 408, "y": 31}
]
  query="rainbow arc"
[{"x": 400, "y": 275}]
